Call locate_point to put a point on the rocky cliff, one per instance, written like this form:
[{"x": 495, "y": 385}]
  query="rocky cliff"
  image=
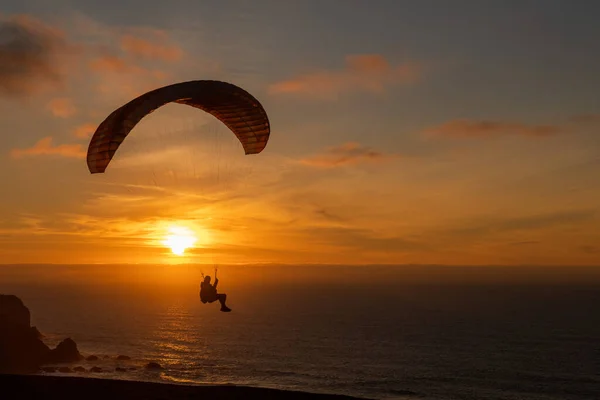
[{"x": 21, "y": 347}]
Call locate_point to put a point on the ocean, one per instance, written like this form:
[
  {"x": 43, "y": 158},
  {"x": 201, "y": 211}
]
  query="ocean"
[{"x": 375, "y": 332}]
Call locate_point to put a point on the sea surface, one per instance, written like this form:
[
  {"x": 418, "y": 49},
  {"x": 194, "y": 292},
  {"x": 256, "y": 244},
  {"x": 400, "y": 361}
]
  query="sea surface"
[{"x": 368, "y": 335}]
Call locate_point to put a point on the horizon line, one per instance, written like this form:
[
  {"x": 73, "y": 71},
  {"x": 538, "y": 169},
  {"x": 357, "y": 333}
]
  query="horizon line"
[{"x": 311, "y": 264}]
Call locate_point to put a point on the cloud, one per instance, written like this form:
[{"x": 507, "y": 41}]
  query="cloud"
[
  {"x": 153, "y": 50},
  {"x": 466, "y": 128},
  {"x": 463, "y": 128},
  {"x": 590, "y": 249},
  {"x": 113, "y": 64},
  {"x": 368, "y": 73},
  {"x": 346, "y": 154},
  {"x": 142, "y": 43},
  {"x": 118, "y": 65},
  {"x": 585, "y": 119},
  {"x": 134, "y": 46},
  {"x": 84, "y": 131},
  {"x": 44, "y": 147},
  {"x": 362, "y": 240},
  {"x": 524, "y": 243},
  {"x": 480, "y": 228},
  {"x": 126, "y": 61},
  {"x": 29, "y": 53},
  {"x": 124, "y": 78},
  {"x": 62, "y": 107}
]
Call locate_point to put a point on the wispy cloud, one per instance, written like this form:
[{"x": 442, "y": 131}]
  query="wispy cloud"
[
  {"x": 62, "y": 107},
  {"x": 30, "y": 53},
  {"x": 588, "y": 249},
  {"x": 524, "y": 243},
  {"x": 132, "y": 42},
  {"x": 371, "y": 73},
  {"x": 132, "y": 59},
  {"x": 585, "y": 119},
  {"x": 467, "y": 128},
  {"x": 347, "y": 154},
  {"x": 45, "y": 147},
  {"x": 494, "y": 225},
  {"x": 463, "y": 128},
  {"x": 360, "y": 239},
  {"x": 84, "y": 131},
  {"x": 158, "y": 47},
  {"x": 114, "y": 64},
  {"x": 118, "y": 65},
  {"x": 124, "y": 77}
]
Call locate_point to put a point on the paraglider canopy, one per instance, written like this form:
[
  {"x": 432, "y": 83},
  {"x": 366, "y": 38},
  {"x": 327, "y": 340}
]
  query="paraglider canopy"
[{"x": 237, "y": 109}]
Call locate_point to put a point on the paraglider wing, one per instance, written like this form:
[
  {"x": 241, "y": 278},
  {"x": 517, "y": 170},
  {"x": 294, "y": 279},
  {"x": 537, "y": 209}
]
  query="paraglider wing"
[{"x": 237, "y": 109}]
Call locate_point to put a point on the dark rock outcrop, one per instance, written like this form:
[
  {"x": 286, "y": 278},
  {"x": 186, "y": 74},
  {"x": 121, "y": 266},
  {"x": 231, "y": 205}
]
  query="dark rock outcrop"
[
  {"x": 21, "y": 351},
  {"x": 153, "y": 365},
  {"x": 92, "y": 358},
  {"x": 65, "y": 352},
  {"x": 21, "y": 347},
  {"x": 95, "y": 369},
  {"x": 79, "y": 368},
  {"x": 37, "y": 333},
  {"x": 13, "y": 312},
  {"x": 123, "y": 358}
]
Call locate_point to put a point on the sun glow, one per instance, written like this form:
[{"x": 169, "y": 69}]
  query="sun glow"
[{"x": 180, "y": 239}]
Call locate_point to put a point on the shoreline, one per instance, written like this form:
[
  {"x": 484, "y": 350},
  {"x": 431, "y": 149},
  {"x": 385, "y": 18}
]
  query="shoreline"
[{"x": 66, "y": 387}]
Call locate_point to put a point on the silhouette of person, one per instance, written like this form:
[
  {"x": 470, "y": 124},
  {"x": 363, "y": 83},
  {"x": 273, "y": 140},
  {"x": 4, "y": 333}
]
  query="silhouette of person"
[{"x": 208, "y": 293}]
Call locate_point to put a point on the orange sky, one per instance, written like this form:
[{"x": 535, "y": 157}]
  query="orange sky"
[{"x": 371, "y": 160}]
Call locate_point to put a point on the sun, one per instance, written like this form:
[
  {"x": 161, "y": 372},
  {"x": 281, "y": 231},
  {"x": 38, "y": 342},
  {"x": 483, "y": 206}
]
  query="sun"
[{"x": 180, "y": 239}]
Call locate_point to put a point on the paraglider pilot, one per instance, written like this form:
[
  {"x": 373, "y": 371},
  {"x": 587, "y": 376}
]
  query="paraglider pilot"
[{"x": 208, "y": 293}]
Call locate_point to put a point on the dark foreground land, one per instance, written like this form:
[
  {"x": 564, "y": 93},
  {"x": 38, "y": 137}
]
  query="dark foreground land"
[{"x": 25, "y": 387}]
